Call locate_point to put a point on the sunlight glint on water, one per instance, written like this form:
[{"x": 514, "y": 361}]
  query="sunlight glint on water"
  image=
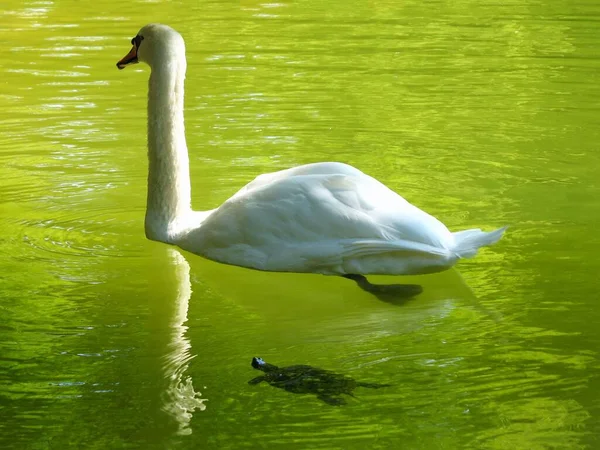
[{"x": 483, "y": 114}]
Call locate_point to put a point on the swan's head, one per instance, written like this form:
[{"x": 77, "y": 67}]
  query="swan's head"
[{"x": 155, "y": 43}]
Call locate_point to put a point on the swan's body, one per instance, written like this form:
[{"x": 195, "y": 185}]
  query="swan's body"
[{"x": 325, "y": 218}]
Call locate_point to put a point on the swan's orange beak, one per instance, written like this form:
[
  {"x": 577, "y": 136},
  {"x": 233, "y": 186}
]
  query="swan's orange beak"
[{"x": 130, "y": 58}]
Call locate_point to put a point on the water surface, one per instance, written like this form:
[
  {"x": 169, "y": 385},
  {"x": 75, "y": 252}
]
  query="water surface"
[{"x": 481, "y": 113}]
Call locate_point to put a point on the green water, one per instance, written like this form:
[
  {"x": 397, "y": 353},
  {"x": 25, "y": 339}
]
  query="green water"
[{"x": 481, "y": 113}]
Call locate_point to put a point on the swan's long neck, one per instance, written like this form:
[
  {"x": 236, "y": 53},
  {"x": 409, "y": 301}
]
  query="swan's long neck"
[{"x": 169, "y": 192}]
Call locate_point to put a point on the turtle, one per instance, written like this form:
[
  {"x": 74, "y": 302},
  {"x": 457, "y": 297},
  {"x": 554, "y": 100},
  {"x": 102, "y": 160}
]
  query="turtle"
[{"x": 326, "y": 385}]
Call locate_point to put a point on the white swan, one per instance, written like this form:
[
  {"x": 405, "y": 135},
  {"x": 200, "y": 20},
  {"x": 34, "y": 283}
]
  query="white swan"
[{"x": 327, "y": 218}]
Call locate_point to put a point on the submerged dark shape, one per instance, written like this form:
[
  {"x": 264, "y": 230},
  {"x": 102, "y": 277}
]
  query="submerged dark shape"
[
  {"x": 327, "y": 386},
  {"x": 389, "y": 293}
]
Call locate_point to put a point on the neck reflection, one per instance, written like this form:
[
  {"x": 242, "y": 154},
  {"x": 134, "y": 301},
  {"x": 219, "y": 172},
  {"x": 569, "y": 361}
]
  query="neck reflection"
[{"x": 180, "y": 400}]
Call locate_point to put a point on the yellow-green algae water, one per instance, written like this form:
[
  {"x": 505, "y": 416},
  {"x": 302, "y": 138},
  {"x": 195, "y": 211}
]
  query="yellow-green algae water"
[{"x": 482, "y": 113}]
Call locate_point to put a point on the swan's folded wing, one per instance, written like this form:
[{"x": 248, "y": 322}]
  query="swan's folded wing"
[
  {"x": 322, "y": 168},
  {"x": 396, "y": 219},
  {"x": 319, "y": 218},
  {"x": 315, "y": 207}
]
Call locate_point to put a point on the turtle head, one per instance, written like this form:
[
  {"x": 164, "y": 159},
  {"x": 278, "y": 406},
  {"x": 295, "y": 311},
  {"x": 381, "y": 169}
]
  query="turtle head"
[
  {"x": 260, "y": 364},
  {"x": 257, "y": 362}
]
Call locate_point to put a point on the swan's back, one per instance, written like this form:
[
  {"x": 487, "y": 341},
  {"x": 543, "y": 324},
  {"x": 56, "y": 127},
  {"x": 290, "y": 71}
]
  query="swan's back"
[{"x": 316, "y": 218}]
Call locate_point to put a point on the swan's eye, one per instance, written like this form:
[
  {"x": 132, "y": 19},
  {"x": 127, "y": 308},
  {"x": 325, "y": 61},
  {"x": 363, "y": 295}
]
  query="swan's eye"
[{"x": 137, "y": 41}]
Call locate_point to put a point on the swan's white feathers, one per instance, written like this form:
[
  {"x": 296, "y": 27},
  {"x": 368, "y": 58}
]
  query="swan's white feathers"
[{"x": 322, "y": 218}]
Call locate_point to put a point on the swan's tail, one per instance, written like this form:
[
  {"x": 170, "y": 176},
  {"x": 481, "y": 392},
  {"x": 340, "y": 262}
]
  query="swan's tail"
[{"x": 469, "y": 241}]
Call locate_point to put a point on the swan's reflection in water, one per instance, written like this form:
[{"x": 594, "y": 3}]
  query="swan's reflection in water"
[{"x": 180, "y": 400}]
